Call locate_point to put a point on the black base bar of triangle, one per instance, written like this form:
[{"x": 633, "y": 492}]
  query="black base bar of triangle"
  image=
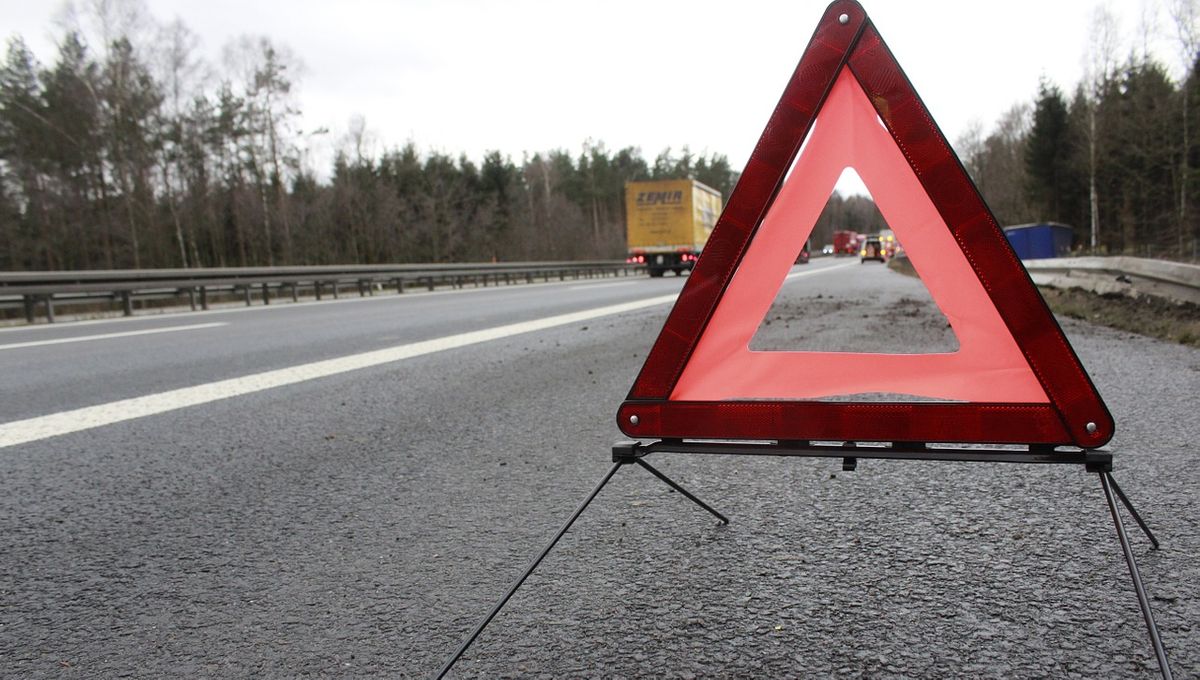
[{"x": 630, "y": 452}]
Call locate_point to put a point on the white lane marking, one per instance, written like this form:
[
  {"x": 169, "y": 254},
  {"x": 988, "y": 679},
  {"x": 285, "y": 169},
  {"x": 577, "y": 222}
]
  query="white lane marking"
[
  {"x": 44, "y": 427},
  {"x": 106, "y": 336},
  {"x": 822, "y": 270},
  {"x": 603, "y": 285}
]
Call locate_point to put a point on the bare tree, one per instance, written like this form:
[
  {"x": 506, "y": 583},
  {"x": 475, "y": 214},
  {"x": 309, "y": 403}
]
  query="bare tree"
[
  {"x": 1184, "y": 17},
  {"x": 180, "y": 71},
  {"x": 265, "y": 73},
  {"x": 1100, "y": 66}
]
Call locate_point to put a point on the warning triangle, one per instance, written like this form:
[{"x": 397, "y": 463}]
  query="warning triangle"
[{"x": 1014, "y": 378}]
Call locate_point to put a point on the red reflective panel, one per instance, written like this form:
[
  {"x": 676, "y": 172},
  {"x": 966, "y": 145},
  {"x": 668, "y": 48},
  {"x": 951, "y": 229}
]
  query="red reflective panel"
[{"x": 1075, "y": 415}]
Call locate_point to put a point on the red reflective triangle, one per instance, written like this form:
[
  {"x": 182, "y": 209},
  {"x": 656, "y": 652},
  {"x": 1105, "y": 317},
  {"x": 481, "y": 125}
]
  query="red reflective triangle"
[{"x": 1014, "y": 378}]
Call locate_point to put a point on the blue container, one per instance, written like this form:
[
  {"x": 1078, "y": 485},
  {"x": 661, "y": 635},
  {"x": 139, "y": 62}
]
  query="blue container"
[{"x": 1040, "y": 241}]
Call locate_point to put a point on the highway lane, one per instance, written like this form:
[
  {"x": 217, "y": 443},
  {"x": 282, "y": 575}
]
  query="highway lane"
[
  {"x": 48, "y": 378},
  {"x": 44, "y": 379},
  {"x": 358, "y": 524}
]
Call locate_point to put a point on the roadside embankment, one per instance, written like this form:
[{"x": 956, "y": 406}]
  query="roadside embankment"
[{"x": 1145, "y": 314}]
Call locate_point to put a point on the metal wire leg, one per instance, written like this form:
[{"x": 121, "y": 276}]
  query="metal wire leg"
[
  {"x": 528, "y": 570},
  {"x": 680, "y": 489},
  {"x": 1125, "y": 499},
  {"x": 1106, "y": 481}
]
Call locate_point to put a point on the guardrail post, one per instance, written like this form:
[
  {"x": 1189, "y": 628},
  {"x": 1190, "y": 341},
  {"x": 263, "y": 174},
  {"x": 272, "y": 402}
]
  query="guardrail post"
[
  {"x": 266, "y": 289},
  {"x": 192, "y": 298},
  {"x": 399, "y": 286},
  {"x": 204, "y": 298},
  {"x": 50, "y": 308},
  {"x": 362, "y": 290},
  {"x": 295, "y": 293},
  {"x": 246, "y": 293},
  {"x": 29, "y": 307},
  {"x": 317, "y": 288},
  {"x": 126, "y": 303},
  {"x": 336, "y": 289},
  {"x": 430, "y": 284}
]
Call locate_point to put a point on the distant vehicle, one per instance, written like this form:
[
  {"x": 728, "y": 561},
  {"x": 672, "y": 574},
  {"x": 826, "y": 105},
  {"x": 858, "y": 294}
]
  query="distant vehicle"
[
  {"x": 845, "y": 242},
  {"x": 872, "y": 249},
  {"x": 667, "y": 223},
  {"x": 1036, "y": 241},
  {"x": 804, "y": 256},
  {"x": 827, "y": 249},
  {"x": 887, "y": 238}
]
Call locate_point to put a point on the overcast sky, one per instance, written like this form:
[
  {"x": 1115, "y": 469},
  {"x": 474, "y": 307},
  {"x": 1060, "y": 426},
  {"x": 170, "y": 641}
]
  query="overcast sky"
[{"x": 526, "y": 75}]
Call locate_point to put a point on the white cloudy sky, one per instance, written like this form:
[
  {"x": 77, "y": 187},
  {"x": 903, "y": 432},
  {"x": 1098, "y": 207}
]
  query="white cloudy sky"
[{"x": 528, "y": 75}]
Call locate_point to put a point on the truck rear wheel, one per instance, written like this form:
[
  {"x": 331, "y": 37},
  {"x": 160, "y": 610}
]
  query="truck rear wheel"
[{"x": 656, "y": 273}]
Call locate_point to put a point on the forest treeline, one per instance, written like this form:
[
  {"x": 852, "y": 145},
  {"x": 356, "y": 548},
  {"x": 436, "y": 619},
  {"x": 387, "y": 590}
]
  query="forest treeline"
[
  {"x": 1116, "y": 156},
  {"x": 130, "y": 151},
  {"x": 127, "y": 155}
]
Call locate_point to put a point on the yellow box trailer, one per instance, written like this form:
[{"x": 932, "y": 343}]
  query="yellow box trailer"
[{"x": 667, "y": 222}]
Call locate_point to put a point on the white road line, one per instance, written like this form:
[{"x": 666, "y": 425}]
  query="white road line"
[
  {"x": 602, "y": 285},
  {"x": 106, "y": 336},
  {"x": 55, "y": 424},
  {"x": 822, "y": 270},
  {"x": 43, "y": 427}
]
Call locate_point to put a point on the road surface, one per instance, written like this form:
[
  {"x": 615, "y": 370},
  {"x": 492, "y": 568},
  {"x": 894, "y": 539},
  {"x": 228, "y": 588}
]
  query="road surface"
[{"x": 341, "y": 489}]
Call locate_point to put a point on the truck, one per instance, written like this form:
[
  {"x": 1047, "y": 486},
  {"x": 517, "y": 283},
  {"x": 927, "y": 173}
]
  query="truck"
[
  {"x": 1040, "y": 240},
  {"x": 845, "y": 242},
  {"x": 667, "y": 223}
]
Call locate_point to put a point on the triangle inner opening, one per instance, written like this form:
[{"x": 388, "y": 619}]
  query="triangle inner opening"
[
  {"x": 854, "y": 290},
  {"x": 988, "y": 366}
]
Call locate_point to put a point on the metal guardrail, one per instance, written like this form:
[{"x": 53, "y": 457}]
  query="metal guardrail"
[
  {"x": 1120, "y": 274},
  {"x": 45, "y": 290}
]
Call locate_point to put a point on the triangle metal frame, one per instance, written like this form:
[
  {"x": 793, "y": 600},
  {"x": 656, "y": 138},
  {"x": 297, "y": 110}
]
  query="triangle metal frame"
[{"x": 846, "y": 39}]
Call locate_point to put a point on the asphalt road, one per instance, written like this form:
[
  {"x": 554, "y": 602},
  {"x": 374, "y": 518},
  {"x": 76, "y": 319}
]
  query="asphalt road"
[{"x": 355, "y": 493}]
